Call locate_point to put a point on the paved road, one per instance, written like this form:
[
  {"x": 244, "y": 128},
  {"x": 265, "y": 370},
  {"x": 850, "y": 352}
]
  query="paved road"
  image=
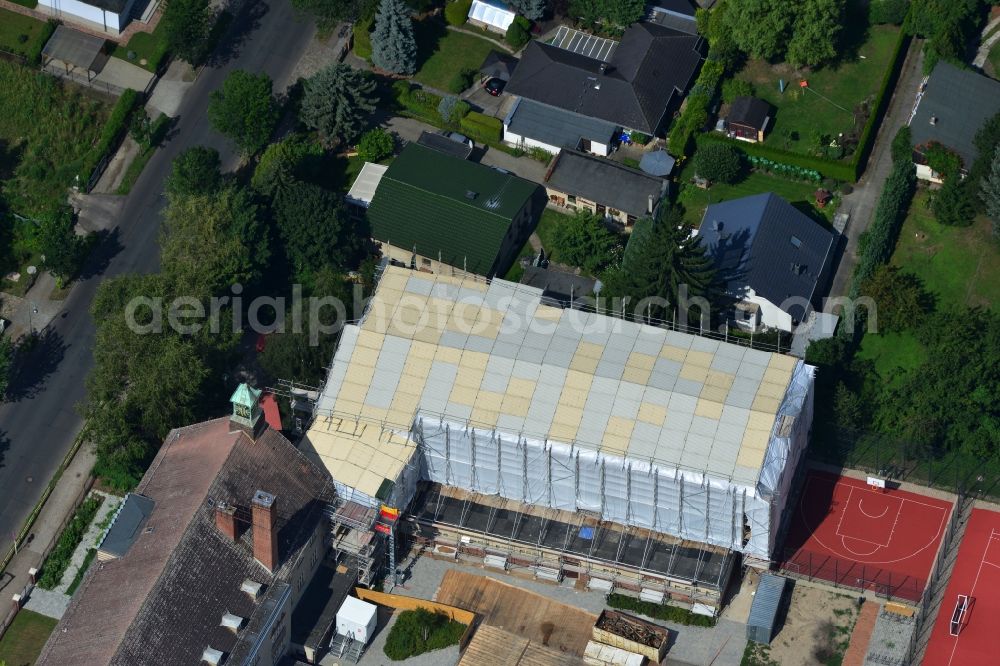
[
  {"x": 863, "y": 200},
  {"x": 39, "y": 425}
]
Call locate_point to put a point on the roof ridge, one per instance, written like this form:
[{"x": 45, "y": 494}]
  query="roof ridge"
[{"x": 447, "y": 198}]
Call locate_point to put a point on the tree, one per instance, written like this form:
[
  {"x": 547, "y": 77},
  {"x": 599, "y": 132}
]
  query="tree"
[
  {"x": 887, "y": 11},
  {"x": 6, "y": 364},
  {"x": 456, "y": 12},
  {"x": 615, "y": 13},
  {"x": 394, "y": 48},
  {"x": 990, "y": 193},
  {"x": 666, "y": 265},
  {"x": 733, "y": 88},
  {"x": 948, "y": 26},
  {"x": 187, "y": 25},
  {"x": 584, "y": 240},
  {"x": 329, "y": 12},
  {"x": 315, "y": 230},
  {"x": 211, "y": 242},
  {"x": 942, "y": 160},
  {"x": 719, "y": 163},
  {"x": 815, "y": 31},
  {"x": 532, "y": 9},
  {"x": 760, "y": 28},
  {"x": 197, "y": 170},
  {"x": 376, "y": 144},
  {"x": 295, "y": 157},
  {"x": 902, "y": 145},
  {"x": 244, "y": 110},
  {"x": 900, "y": 298},
  {"x": 517, "y": 32},
  {"x": 953, "y": 204},
  {"x": 337, "y": 102},
  {"x": 58, "y": 242}
]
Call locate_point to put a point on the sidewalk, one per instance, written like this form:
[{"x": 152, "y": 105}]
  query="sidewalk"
[{"x": 48, "y": 525}]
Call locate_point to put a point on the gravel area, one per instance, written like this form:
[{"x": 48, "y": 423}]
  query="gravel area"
[{"x": 889, "y": 640}]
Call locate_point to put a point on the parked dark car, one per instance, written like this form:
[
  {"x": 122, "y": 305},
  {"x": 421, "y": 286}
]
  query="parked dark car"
[{"x": 494, "y": 86}]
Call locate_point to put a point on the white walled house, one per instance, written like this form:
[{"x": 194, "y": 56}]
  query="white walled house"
[
  {"x": 107, "y": 16},
  {"x": 530, "y": 124},
  {"x": 773, "y": 257}
]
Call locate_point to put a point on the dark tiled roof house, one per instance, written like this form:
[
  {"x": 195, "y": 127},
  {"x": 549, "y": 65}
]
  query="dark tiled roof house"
[
  {"x": 773, "y": 256},
  {"x": 234, "y": 534},
  {"x": 637, "y": 89},
  {"x": 953, "y": 107},
  {"x": 447, "y": 214}
]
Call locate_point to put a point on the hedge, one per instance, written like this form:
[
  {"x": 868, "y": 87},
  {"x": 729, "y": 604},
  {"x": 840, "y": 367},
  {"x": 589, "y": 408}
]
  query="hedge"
[
  {"x": 695, "y": 113},
  {"x": 829, "y": 168},
  {"x": 457, "y": 12},
  {"x": 660, "y": 611},
  {"x": 482, "y": 127},
  {"x": 112, "y": 133},
  {"x": 35, "y": 54},
  {"x": 59, "y": 559},
  {"x": 879, "y": 241},
  {"x": 420, "y": 103},
  {"x": 867, "y": 139}
]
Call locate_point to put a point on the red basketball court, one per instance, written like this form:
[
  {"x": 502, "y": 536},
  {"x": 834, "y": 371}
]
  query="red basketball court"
[
  {"x": 976, "y": 577},
  {"x": 848, "y": 533}
]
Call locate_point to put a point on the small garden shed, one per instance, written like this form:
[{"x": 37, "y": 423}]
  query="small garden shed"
[{"x": 766, "y": 607}]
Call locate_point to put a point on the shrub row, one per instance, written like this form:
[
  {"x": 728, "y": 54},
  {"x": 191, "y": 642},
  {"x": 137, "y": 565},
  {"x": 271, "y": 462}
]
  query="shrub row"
[
  {"x": 417, "y": 101},
  {"x": 660, "y": 611},
  {"x": 482, "y": 127},
  {"x": 878, "y": 242},
  {"x": 57, "y": 561},
  {"x": 867, "y": 139},
  {"x": 695, "y": 113},
  {"x": 113, "y": 132},
  {"x": 829, "y": 169},
  {"x": 34, "y": 55}
]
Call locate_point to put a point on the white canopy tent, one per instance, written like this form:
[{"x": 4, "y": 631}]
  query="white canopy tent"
[{"x": 492, "y": 16}]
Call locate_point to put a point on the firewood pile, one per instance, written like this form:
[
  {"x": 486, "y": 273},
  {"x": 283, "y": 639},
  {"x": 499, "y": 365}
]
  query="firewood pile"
[{"x": 632, "y": 629}]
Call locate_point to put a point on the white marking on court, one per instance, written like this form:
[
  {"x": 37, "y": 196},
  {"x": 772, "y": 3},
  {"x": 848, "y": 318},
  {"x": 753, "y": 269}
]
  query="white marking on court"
[
  {"x": 982, "y": 561},
  {"x": 861, "y": 508}
]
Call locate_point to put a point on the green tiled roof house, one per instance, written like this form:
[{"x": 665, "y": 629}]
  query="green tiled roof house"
[{"x": 435, "y": 212}]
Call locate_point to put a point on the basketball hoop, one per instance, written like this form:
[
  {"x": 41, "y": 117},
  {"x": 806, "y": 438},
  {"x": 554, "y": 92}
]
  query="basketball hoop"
[{"x": 876, "y": 484}]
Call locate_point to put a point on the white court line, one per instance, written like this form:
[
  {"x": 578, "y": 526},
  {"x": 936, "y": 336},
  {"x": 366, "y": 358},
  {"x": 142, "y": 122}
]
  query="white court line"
[
  {"x": 812, "y": 529},
  {"x": 885, "y": 510},
  {"x": 982, "y": 561},
  {"x": 847, "y": 504}
]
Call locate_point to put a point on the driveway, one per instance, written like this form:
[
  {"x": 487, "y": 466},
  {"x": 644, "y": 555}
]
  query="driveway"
[
  {"x": 860, "y": 204},
  {"x": 39, "y": 422},
  {"x": 409, "y": 129},
  {"x": 119, "y": 73}
]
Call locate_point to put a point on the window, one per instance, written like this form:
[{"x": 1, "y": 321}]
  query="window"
[
  {"x": 571, "y": 198},
  {"x": 425, "y": 261}
]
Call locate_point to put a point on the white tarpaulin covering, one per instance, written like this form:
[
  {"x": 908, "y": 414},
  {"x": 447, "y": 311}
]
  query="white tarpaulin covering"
[{"x": 491, "y": 14}]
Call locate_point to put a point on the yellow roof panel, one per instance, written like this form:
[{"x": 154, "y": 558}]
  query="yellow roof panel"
[
  {"x": 709, "y": 409},
  {"x": 650, "y": 413},
  {"x": 673, "y": 353},
  {"x": 636, "y": 375},
  {"x": 693, "y": 372},
  {"x": 590, "y": 350}
]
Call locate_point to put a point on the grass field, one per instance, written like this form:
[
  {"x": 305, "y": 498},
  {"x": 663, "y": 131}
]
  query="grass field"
[
  {"x": 826, "y": 107},
  {"x": 14, "y": 27},
  {"x": 23, "y": 642},
  {"x": 151, "y": 47},
  {"x": 959, "y": 265},
  {"x": 544, "y": 229},
  {"x": 442, "y": 53},
  {"x": 43, "y": 142},
  {"x": 695, "y": 200}
]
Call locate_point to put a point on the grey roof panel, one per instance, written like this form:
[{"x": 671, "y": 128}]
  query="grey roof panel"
[
  {"x": 606, "y": 182},
  {"x": 557, "y": 127}
]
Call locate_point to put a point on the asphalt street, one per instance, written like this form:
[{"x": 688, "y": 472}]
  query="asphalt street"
[{"x": 40, "y": 422}]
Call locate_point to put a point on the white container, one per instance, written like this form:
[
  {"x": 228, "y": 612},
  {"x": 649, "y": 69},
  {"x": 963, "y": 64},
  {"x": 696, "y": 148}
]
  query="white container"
[{"x": 357, "y": 619}]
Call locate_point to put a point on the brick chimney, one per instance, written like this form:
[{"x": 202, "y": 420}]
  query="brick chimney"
[
  {"x": 265, "y": 533},
  {"x": 225, "y": 519}
]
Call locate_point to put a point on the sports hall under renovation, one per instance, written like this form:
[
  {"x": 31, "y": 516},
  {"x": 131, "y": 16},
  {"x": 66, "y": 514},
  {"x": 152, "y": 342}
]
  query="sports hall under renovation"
[{"x": 483, "y": 422}]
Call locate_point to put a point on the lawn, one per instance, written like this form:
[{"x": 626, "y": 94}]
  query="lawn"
[
  {"x": 826, "y": 107},
  {"x": 959, "y": 265},
  {"x": 546, "y": 230},
  {"x": 891, "y": 352},
  {"x": 695, "y": 200},
  {"x": 43, "y": 143},
  {"x": 148, "y": 49},
  {"x": 24, "y": 640},
  {"x": 21, "y": 34},
  {"x": 443, "y": 53}
]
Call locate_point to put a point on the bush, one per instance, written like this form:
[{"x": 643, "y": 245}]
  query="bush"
[
  {"x": 659, "y": 611},
  {"x": 482, "y": 127},
  {"x": 417, "y": 101},
  {"x": 902, "y": 145},
  {"x": 34, "y": 54},
  {"x": 786, "y": 162},
  {"x": 461, "y": 80},
  {"x": 58, "y": 560},
  {"x": 375, "y": 145},
  {"x": 363, "y": 37},
  {"x": 519, "y": 32},
  {"x": 640, "y": 138},
  {"x": 452, "y": 110},
  {"x": 887, "y": 11},
  {"x": 733, "y": 88},
  {"x": 719, "y": 163},
  {"x": 114, "y": 130},
  {"x": 942, "y": 160},
  {"x": 878, "y": 242},
  {"x": 419, "y": 631},
  {"x": 457, "y": 12}
]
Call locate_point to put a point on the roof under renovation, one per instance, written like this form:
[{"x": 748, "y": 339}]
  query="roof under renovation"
[{"x": 495, "y": 357}]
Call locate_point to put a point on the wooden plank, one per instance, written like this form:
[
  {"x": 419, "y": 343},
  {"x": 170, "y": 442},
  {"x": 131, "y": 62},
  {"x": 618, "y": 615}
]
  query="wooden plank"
[{"x": 528, "y": 615}]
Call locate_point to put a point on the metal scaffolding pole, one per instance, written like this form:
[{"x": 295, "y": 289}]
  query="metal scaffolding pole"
[
  {"x": 447, "y": 453},
  {"x": 474, "y": 474},
  {"x": 645, "y": 550}
]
